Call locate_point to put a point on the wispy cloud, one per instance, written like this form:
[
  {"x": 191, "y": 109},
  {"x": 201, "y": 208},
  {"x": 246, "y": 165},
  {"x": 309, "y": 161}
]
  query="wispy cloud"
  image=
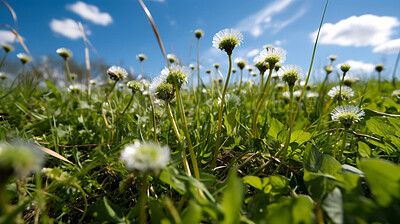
[
  {"x": 6, "y": 37},
  {"x": 91, "y": 13},
  {"x": 390, "y": 47},
  {"x": 252, "y": 53},
  {"x": 68, "y": 28},
  {"x": 359, "y": 66},
  {"x": 365, "y": 30},
  {"x": 256, "y": 23}
]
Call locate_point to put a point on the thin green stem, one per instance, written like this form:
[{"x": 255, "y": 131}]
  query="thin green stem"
[
  {"x": 2, "y": 60},
  {"x": 75, "y": 92},
  {"x": 221, "y": 109},
  {"x": 178, "y": 136},
  {"x": 379, "y": 82},
  {"x": 346, "y": 129},
  {"x": 340, "y": 89},
  {"x": 187, "y": 135},
  {"x": 282, "y": 153},
  {"x": 153, "y": 118},
  {"x": 127, "y": 106},
  {"x": 143, "y": 200},
  {"x": 262, "y": 80},
  {"x": 240, "y": 83},
  {"x": 102, "y": 104},
  {"x": 260, "y": 101}
]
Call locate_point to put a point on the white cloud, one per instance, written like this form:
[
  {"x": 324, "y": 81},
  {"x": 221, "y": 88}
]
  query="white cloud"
[
  {"x": 261, "y": 20},
  {"x": 67, "y": 27},
  {"x": 359, "y": 66},
  {"x": 390, "y": 47},
  {"x": 252, "y": 53},
  {"x": 91, "y": 13},
  {"x": 6, "y": 37},
  {"x": 364, "y": 30}
]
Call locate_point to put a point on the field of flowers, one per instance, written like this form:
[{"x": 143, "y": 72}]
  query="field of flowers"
[{"x": 269, "y": 148}]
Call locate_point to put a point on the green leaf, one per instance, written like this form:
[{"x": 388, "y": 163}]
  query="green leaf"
[
  {"x": 300, "y": 136},
  {"x": 232, "y": 199},
  {"x": 364, "y": 150},
  {"x": 383, "y": 177},
  {"x": 276, "y": 185},
  {"x": 53, "y": 89},
  {"x": 253, "y": 181},
  {"x": 168, "y": 176},
  {"x": 291, "y": 210},
  {"x": 192, "y": 214},
  {"x": 378, "y": 127},
  {"x": 333, "y": 206},
  {"x": 275, "y": 128}
]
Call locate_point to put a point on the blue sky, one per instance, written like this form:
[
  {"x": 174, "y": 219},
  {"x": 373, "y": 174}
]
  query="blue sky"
[{"x": 360, "y": 32}]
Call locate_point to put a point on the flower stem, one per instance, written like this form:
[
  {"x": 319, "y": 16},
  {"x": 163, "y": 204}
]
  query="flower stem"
[
  {"x": 178, "y": 136},
  {"x": 262, "y": 80},
  {"x": 260, "y": 102},
  {"x": 282, "y": 152},
  {"x": 76, "y": 94},
  {"x": 2, "y": 60},
  {"x": 102, "y": 104},
  {"x": 379, "y": 81},
  {"x": 240, "y": 83},
  {"x": 127, "y": 106},
  {"x": 221, "y": 109},
  {"x": 187, "y": 135},
  {"x": 143, "y": 200},
  {"x": 340, "y": 90},
  {"x": 346, "y": 129}
]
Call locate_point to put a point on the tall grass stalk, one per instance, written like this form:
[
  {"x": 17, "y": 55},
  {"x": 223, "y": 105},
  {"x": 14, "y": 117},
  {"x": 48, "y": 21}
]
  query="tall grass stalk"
[
  {"x": 179, "y": 138},
  {"x": 75, "y": 92},
  {"x": 260, "y": 101},
  {"x": 187, "y": 135}
]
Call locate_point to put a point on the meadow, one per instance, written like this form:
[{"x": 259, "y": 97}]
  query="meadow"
[{"x": 260, "y": 147}]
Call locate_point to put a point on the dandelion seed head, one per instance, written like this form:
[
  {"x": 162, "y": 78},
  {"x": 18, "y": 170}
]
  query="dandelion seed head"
[
  {"x": 117, "y": 73},
  {"x": 332, "y": 57},
  {"x": 64, "y": 53},
  {"x": 345, "y": 68},
  {"x": 379, "y": 67},
  {"x": 135, "y": 86},
  {"x": 346, "y": 92},
  {"x": 347, "y": 115},
  {"x": 328, "y": 69},
  {"x": 273, "y": 55},
  {"x": 7, "y": 48},
  {"x": 199, "y": 33},
  {"x": 145, "y": 157},
  {"x": 227, "y": 39},
  {"x": 172, "y": 58},
  {"x": 240, "y": 62},
  {"x": 176, "y": 75},
  {"x": 290, "y": 74},
  {"x": 24, "y": 58}
]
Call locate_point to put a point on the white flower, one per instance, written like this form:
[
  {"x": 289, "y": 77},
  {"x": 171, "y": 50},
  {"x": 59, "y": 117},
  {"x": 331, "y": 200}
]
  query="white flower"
[
  {"x": 175, "y": 75},
  {"x": 227, "y": 40},
  {"x": 396, "y": 93},
  {"x": 117, "y": 73},
  {"x": 272, "y": 55},
  {"x": 346, "y": 92},
  {"x": 156, "y": 82},
  {"x": 7, "y": 48},
  {"x": 347, "y": 114},
  {"x": 64, "y": 53},
  {"x": 192, "y": 66},
  {"x": 20, "y": 159},
  {"x": 24, "y": 58},
  {"x": 311, "y": 94},
  {"x": 144, "y": 157}
]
